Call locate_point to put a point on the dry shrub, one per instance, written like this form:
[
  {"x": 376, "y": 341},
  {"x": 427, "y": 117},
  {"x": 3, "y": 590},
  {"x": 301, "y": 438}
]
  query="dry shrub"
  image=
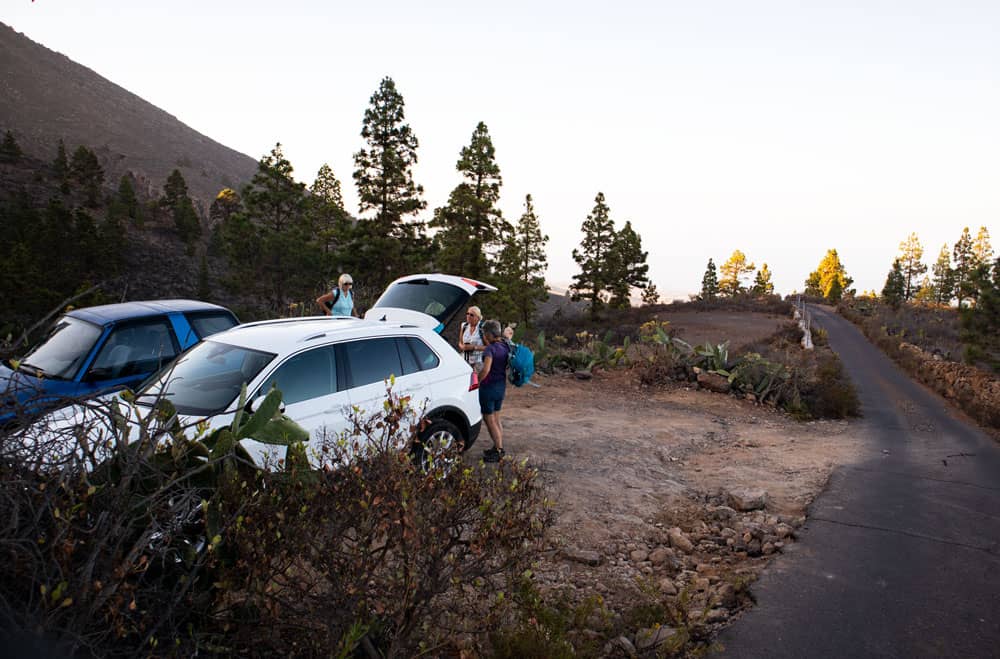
[{"x": 166, "y": 548}]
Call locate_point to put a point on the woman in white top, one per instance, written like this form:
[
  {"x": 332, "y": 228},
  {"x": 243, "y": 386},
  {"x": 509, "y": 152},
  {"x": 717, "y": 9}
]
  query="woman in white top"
[{"x": 470, "y": 339}]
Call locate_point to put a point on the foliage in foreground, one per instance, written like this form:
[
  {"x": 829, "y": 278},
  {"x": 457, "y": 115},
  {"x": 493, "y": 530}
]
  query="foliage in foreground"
[{"x": 175, "y": 544}]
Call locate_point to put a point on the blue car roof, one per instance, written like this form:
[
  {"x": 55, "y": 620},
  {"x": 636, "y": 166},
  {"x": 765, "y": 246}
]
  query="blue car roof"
[{"x": 109, "y": 313}]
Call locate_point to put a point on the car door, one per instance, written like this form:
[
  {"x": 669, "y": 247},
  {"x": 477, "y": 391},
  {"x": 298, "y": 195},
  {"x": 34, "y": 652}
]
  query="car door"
[
  {"x": 369, "y": 363},
  {"x": 308, "y": 384}
]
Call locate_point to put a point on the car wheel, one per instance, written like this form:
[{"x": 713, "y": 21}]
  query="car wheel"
[{"x": 440, "y": 436}]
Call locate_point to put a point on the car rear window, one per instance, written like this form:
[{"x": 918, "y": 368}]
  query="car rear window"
[
  {"x": 211, "y": 322},
  {"x": 434, "y": 298}
]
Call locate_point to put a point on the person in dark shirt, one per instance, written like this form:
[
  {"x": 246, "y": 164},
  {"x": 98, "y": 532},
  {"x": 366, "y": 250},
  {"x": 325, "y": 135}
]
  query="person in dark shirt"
[{"x": 493, "y": 386}]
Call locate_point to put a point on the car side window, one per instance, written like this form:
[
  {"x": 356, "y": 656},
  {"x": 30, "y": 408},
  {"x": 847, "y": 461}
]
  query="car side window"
[
  {"x": 211, "y": 322},
  {"x": 372, "y": 360},
  {"x": 426, "y": 359},
  {"x": 406, "y": 356},
  {"x": 305, "y": 376},
  {"x": 134, "y": 349}
]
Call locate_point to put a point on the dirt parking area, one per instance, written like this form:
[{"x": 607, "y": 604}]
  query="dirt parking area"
[
  {"x": 641, "y": 480},
  {"x": 739, "y": 328}
]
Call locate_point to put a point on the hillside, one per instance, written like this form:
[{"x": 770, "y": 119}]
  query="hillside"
[{"x": 45, "y": 96}]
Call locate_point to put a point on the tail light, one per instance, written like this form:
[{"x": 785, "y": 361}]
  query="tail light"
[{"x": 473, "y": 381}]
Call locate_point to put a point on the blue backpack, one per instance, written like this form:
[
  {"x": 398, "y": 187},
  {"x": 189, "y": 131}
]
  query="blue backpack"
[{"x": 520, "y": 364}]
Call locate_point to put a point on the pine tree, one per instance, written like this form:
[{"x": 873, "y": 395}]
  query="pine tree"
[
  {"x": 911, "y": 253},
  {"x": 268, "y": 245},
  {"x": 472, "y": 227},
  {"x": 821, "y": 281},
  {"x": 733, "y": 271},
  {"x": 943, "y": 281},
  {"x": 521, "y": 265},
  {"x": 386, "y": 188},
  {"x": 709, "y": 282},
  {"x": 86, "y": 170},
  {"x": 982, "y": 250},
  {"x": 10, "y": 152},
  {"x": 329, "y": 221},
  {"x": 980, "y": 324},
  {"x": 60, "y": 168},
  {"x": 895, "y": 286},
  {"x": 627, "y": 267},
  {"x": 176, "y": 200},
  {"x": 762, "y": 284},
  {"x": 126, "y": 202},
  {"x": 964, "y": 258},
  {"x": 592, "y": 256},
  {"x": 650, "y": 295}
]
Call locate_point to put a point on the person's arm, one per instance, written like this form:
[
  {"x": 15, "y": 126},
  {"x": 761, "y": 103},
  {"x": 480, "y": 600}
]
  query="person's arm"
[
  {"x": 487, "y": 363},
  {"x": 322, "y": 300},
  {"x": 462, "y": 346}
]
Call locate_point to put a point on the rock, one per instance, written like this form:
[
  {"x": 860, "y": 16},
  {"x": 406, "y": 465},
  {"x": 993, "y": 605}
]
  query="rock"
[
  {"x": 714, "y": 382},
  {"x": 638, "y": 555},
  {"x": 767, "y": 549},
  {"x": 583, "y": 375},
  {"x": 723, "y": 513},
  {"x": 750, "y": 397},
  {"x": 680, "y": 541},
  {"x": 582, "y": 556},
  {"x": 659, "y": 556},
  {"x": 726, "y": 596},
  {"x": 701, "y": 584},
  {"x": 667, "y": 587},
  {"x": 754, "y": 547},
  {"x": 647, "y": 639},
  {"x": 619, "y": 646},
  {"x": 716, "y": 615},
  {"x": 745, "y": 499},
  {"x": 783, "y": 531}
]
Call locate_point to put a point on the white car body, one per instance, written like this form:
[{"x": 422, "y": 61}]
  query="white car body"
[{"x": 325, "y": 367}]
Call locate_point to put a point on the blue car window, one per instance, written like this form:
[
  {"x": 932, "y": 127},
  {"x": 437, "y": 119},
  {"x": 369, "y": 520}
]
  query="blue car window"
[
  {"x": 135, "y": 349},
  {"x": 208, "y": 323}
]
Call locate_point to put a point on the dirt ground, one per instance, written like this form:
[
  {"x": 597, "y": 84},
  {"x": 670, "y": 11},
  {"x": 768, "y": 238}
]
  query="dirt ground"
[{"x": 629, "y": 463}]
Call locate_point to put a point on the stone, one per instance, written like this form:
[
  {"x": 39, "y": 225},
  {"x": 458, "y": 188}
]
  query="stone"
[
  {"x": 716, "y": 615},
  {"x": 680, "y": 541},
  {"x": 638, "y": 555},
  {"x": 701, "y": 584},
  {"x": 667, "y": 587},
  {"x": 582, "y": 556},
  {"x": 747, "y": 499},
  {"x": 767, "y": 549},
  {"x": 726, "y": 596},
  {"x": 754, "y": 547},
  {"x": 783, "y": 531},
  {"x": 714, "y": 382},
  {"x": 619, "y": 646},
  {"x": 583, "y": 375},
  {"x": 647, "y": 639},
  {"x": 723, "y": 513}
]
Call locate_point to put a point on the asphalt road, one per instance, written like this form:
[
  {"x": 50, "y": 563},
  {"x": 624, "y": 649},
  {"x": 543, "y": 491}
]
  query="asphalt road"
[{"x": 900, "y": 556}]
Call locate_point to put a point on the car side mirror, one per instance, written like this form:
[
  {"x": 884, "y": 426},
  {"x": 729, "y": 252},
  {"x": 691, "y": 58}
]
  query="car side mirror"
[{"x": 256, "y": 403}]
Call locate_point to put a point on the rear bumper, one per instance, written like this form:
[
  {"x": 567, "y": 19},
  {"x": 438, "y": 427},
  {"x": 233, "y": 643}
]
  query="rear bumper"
[{"x": 473, "y": 434}]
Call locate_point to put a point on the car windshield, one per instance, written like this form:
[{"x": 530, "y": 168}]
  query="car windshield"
[
  {"x": 63, "y": 351},
  {"x": 434, "y": 298},
  {"x": 207, "y": 378}
]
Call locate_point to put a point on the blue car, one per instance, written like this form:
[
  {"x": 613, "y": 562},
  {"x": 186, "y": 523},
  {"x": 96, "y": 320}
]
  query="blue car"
[{"x": 98, "y": 349}]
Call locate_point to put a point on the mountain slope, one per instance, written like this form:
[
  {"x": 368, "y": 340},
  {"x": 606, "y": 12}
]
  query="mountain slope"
[{"x": 45, "y": 96}]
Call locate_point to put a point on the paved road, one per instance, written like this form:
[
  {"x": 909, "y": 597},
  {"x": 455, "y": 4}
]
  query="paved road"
[{"x": 900, "y": 556}]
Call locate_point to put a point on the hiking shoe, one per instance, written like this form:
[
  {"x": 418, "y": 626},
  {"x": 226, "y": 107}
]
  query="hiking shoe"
[{"x": 493, "y": 455}]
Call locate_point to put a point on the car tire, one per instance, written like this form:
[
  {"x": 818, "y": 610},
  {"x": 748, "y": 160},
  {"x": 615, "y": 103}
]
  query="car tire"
[{"x": 440, "y": 434}]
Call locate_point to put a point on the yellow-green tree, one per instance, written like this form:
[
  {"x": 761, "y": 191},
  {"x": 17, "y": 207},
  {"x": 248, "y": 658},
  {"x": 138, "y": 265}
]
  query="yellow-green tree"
[
  {"x": 829, "y": 280},
  {"x": 733, "y": 272},
  {"x": 911, "y": 254}
]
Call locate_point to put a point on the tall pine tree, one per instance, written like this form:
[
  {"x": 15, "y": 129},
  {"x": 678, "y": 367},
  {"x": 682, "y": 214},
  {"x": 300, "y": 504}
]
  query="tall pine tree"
[
  {"x": 911, "y": 253},
  {"x": 710, "y": 282},
  {"x": 943, "y": 278},
  {"x": 627, "y": 267},
  {"x": 522, "y": 263},
  {"x": 386, "y": 189},
  {"x": 471, "y": 226},
  {"x": 593, "y": 256},
  {"x": 762, "y": 284},
  {"x": 964, "y": 258},
  {"x": 733, "y": 271},
  {"x": 894, "y": 291}
]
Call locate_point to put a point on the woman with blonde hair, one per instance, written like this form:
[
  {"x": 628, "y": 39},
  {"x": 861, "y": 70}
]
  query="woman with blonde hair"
[{"x": 470, "y": 339}]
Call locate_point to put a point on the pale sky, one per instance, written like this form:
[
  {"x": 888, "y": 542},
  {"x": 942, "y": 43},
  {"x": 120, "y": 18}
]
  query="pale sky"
[{"x": 779, "y": 128}]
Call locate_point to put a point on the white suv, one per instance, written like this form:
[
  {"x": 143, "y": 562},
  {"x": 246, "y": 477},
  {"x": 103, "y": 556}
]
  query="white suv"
[{"x": 323, "y": 367}]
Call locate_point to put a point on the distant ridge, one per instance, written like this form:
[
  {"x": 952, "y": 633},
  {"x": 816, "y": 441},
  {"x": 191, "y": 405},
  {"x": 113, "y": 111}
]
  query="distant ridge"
[{"x": 45, "y": 96}]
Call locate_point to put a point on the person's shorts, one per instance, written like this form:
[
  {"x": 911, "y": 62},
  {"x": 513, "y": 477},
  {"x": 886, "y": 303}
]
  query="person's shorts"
[{"x": 491, "y": 397}]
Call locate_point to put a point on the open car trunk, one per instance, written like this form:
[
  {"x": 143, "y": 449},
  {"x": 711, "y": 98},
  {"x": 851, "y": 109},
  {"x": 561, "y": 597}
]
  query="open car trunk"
[{"x": 430, "y": 300}]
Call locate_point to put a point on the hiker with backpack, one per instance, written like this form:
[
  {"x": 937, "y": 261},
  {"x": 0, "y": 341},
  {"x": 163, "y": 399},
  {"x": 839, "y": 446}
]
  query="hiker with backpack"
[
  {"x": 470, "y": 338},
  {"x": 339, "y": 301},
  {"x": 493, "y": 386}
]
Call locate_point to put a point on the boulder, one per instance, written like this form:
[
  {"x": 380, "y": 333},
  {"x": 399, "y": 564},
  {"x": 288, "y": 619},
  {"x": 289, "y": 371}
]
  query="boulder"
[
  {"x": 667, "y": 587},
  {"x": 679, "y": 540},
  {"x": 714, "y": 382},
  {"x": 659, "y": 556},
  {"x": 582, "y": 556},
  {"x": 746, "y": 499}
]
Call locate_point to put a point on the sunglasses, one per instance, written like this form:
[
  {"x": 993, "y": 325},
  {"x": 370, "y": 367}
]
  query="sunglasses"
[{"x": 470, "y": 315}]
